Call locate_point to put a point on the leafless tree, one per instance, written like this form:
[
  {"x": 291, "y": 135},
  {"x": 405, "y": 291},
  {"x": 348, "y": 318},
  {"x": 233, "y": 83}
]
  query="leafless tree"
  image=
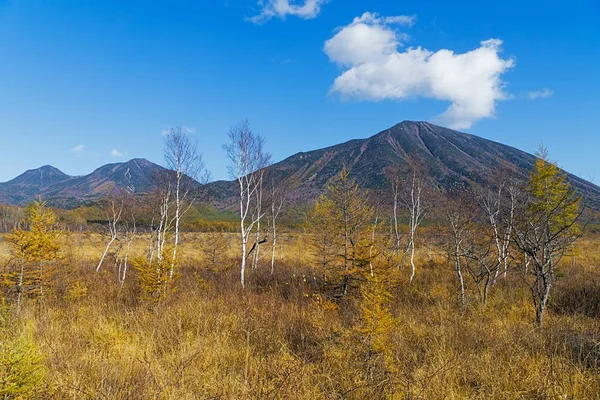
[
  {"x": 183, "y": 158},
  {"x": 278, "y": 197},
  {"x": 10, "y": 216},
  {"x": 480, "y": 252},
  {"x": 499, "y": 206},
  {"x": 129, "y": 233},
  {"x": 114, "y": 205},
  {"x": 457, "y": 215},
  {"x": 121, "y": 210},
  {"x": 257, "y": 213},
  {"x": 413, "y": 199},
  {"x": 160, "y": 204},
  {"x": 480, "y": 223},
  {"x": 245, "y": 151}
]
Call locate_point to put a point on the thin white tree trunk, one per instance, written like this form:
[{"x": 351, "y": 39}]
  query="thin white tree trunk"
[
  {"x": 415, "y": 218},
  {"x": 243, "y": 233},
  {"x": 509, "y": 230},
  {"x": 112, "y": 239},
  {"x": 256, "y": 247},
  {"x": 412, "y": 260},
  {"x": 126, "y": 259},
  {"x": 177, "y": 219},
  {"x": 273, "y": 246},
  {"x": 396, "y": 228},
  {"x": 459, "y": 272},
  {"x": 243, "y": 267}
]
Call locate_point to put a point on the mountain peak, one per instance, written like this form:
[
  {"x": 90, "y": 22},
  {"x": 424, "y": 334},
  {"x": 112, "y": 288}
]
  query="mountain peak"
[
  {"x": 46, "y": 174},
  {"x": 139, "y": 162},
  {"x": 47, "y": 169},
  {"x": 413, "y": 127},
  {"x": 408, "y": 123}
]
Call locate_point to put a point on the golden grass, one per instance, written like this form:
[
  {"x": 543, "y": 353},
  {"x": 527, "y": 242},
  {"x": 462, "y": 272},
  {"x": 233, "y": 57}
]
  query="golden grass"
[{"x": 285, "y": 338}]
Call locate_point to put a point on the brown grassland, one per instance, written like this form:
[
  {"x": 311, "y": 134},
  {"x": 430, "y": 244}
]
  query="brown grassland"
[{"x": 286, "y": 337}]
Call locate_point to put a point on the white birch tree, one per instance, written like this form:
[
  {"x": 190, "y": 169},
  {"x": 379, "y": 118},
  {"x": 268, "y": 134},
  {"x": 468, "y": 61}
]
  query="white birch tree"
[
  {"x": 113, "y": 211},
  {"x": 414, "y": 202},
  {"x": 397, "y": 234},
  {"x": 499, "y": 207},
  {"x": 277, "y": 200},
  {"x": 457, "y": 215},
  {"x": 247, "y": 157},
  {"x": 185, "y": 161}
]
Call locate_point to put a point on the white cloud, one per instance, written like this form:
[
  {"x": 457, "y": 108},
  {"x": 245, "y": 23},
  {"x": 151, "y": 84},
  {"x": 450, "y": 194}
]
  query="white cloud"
[
  {"x": 117, "y": 154},
  {"x": 78, "y": 149},
  {"x": 375, "y": 69},
  {"x": 540, "y": 94},
  {"x": 282, "y": 8},
  {"x": 408, "y": 20}
]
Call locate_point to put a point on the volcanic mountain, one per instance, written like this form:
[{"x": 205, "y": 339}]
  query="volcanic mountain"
[
  {"x": 446, "y": 157},
  {"x": 137, "y": 176}
]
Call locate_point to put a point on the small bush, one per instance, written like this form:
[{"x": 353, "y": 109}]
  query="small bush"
[{"x": 22, "y": 369}]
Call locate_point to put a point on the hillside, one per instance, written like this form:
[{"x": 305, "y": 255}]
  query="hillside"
[
  {"x": 63, "y": 190},
  {"x": 445, "y": 156}
]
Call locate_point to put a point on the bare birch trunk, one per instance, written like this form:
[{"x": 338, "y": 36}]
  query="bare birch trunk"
[
  {"x": 177, "y": 219},
  {"x": 112, "y": 239},
  {"x": 396, "y": 228},
  {"x": 243, "y": 267},
  {"x": 459, "y": 271},
  {"x": 273, "y": 247}
]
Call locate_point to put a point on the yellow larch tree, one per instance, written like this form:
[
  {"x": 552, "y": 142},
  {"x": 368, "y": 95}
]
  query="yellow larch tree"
[
  {"x": 546, "y": 227},
  {"x": 36, "y": 250},
  {"x": 340, "y": 229}
]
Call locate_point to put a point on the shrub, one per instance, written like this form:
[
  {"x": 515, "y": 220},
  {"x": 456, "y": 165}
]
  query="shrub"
[{"x": 22, "y": 371}]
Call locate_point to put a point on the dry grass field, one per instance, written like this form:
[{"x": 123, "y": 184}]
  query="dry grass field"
[{"x": 286, "y": 337}]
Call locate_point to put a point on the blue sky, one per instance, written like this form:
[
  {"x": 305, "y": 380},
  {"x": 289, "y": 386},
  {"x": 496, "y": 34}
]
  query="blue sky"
[{"x": 87, "y": 83}]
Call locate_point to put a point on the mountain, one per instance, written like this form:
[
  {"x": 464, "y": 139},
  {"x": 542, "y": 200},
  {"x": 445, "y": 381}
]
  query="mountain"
[
  {"x": 63, "y": 190},
  {"x": 445, "y": 156},
  {"x": 30, "y": 184}
]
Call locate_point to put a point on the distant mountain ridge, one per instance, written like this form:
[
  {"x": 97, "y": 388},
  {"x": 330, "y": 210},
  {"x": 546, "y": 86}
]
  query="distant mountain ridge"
[
  {"x": 136, "y": 176},
  {"x": 445, "y": 156}
]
